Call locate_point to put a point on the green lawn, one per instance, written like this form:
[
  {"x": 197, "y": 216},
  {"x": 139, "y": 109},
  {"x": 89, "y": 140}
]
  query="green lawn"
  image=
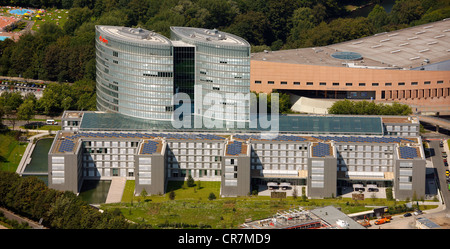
[
  {"x": 191, "y": 206},
  {"x": 11, "y": 152},
  {"x": 51, "y": 15}
]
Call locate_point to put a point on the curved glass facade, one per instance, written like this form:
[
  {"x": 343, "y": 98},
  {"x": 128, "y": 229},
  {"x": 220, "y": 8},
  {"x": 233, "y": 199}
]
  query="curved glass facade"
[
  {"x": 222, "y": 72},
  {"x": 134, "y": 72},
  {"x": 139, "y": 71}
]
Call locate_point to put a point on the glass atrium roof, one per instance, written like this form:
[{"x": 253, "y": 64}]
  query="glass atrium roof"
[
  {"x": 347, "y": 56},
  {"x": 306, "y": 124}
]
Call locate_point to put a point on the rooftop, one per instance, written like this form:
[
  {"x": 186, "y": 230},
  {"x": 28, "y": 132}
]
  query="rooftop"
[
  {"x": 134, "y": 34},
  {"x": 401, "y": 49},
  {"x": 67, "y": 142},
  {"x": 333, "y": 124},
  {"x": 327, "y": 217},
  {"x": 336, "y": 218},
  {"x": 236, "y": 148},
  {"x": 150, "y": 147},
  {"x": 210, "y": 35}
]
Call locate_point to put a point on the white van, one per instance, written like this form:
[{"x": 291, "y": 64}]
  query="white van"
[{"x": 51, "y": 122}]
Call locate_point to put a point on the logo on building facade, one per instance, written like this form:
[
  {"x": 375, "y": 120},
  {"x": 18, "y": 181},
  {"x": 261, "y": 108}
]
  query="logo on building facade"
[{"x": 103, "y": 39}]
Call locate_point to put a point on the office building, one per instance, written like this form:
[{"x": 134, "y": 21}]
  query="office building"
[
  {"x": 321, "y": 159},
  {"x": 139, "y": 72}
]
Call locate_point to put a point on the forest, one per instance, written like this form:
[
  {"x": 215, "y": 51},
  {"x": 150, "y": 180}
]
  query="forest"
[
  {"x": 31, "y": 198},
  {"x": 66, "y": 53}
]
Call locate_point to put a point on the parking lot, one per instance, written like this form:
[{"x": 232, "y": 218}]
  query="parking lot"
[{"x": 22, "y": 87}]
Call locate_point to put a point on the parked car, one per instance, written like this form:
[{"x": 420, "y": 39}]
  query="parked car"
[
  {"x": 417, "y": 212},
  {"x": 407, "y": 215}
]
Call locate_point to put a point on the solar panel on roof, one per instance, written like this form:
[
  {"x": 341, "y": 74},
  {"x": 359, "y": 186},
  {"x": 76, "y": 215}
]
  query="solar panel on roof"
[
  {"x": 321, "y": 150},
  {"x": 408, "y": 152}
]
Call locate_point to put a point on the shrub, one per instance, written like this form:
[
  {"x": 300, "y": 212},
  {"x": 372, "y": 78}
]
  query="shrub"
[{"x": 211, "y": 196}]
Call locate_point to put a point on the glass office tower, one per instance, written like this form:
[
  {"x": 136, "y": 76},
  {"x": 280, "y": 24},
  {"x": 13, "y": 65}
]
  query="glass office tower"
[
  {"x": 139, "y": 71},
  {"x": 222, "y": 72},
  {"x": 134, "y": 72}
]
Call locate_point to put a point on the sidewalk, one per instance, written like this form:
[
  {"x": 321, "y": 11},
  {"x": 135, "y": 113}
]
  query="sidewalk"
[{"x": 116, "y": 190}]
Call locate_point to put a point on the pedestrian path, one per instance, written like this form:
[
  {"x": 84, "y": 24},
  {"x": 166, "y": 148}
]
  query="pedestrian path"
[{"x": 116, "y": 190}]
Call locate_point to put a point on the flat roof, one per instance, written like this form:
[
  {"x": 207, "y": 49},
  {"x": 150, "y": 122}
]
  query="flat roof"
[
  {"x": 330, "y": 124},
  {"x": 333, "y": 216},
  {"x": 401, "y": 49},
  {"x": 67, "y": 142}
]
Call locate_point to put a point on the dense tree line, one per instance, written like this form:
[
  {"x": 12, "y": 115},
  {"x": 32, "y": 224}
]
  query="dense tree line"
[
  {"x": 31, "y": 198},
  {"x": 67, "y": 54},
  {"x": 365, "y": 107},
  {"x": 56, "y": 98}
]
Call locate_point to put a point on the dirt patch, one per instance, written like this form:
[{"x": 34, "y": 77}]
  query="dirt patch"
[{"x": 443, "y": 222}]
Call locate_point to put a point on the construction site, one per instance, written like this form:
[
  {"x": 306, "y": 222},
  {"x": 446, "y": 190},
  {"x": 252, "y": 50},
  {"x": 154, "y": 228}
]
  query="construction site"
[{"x": 327, "y": 217}]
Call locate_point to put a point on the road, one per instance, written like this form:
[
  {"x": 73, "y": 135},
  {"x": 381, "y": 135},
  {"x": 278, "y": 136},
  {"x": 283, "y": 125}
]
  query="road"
[{"x": 11, "y": 216}]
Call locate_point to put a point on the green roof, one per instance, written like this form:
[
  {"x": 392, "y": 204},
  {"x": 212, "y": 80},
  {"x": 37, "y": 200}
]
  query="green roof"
[{"x": 310, "y": 124}]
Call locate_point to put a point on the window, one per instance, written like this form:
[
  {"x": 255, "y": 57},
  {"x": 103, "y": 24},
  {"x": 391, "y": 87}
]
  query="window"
[
  {"x": 296, "y": 83},
  {"x": 309, "y": 83},
  {"x": 414, "y": 83},
  {"x": 427, "y": 82},
  {"x": 335, "y": 83},
  {"x": 374, "y": 84},
  {"x": 164, "y": 74},
  {"x": 440, "y": 81},
  {"x": 257, "y": 82},
  {"x": 401, "y": 83},
  {"x": 270, "y": 82},
  {"x": 348, "y": 84},
  {"x": 116, "y": 54},
  {"x": 362, "y": 84},
  {"x": 323, "y": 83},
  {"x": 216, "y": 88},
  {"x": 283, "y": 82},
  {"x": 388, "y": 84}
]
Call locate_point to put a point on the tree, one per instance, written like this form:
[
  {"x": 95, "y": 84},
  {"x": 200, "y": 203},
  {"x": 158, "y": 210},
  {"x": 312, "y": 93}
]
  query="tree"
[
  {"x": 302, "y": 21},
  {"x": 26, "y": 110},
  {"x": 406, "y": 11},
  {"x": 342, "y": 107},
  {"x": 378, "y": 17},
  {"x": 222, "y": 13},
  {"x": 10, "y": 102},
  {"x": 67, "y": 102},
  {"x": 279, "y": 14},
  {"x": 294, "y": 193},
  {"x": 172, "y": 195},
  {"x": 76, "y": 17},
  {"x": 252, "y": 26},
  {"x": 368, "y": 108},
  {"x": 211, "y": 196},
  {"x": 190, "y": 181},
  {"x": 143, "y": 194}
]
